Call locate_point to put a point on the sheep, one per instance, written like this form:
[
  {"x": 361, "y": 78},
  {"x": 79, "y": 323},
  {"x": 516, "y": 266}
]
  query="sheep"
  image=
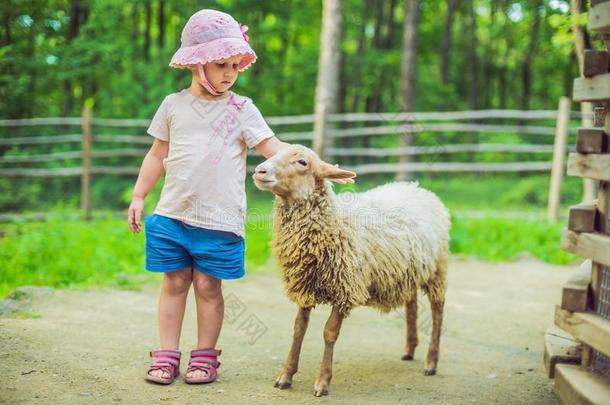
[{"x": 375, "y": 248}]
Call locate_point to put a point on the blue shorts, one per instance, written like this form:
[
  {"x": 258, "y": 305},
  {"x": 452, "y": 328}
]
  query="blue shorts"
[{"x": 172, "y": 245}]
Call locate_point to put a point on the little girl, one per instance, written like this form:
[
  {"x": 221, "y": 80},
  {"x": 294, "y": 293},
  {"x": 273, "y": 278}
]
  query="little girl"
[{"x": 196, "y": 234}]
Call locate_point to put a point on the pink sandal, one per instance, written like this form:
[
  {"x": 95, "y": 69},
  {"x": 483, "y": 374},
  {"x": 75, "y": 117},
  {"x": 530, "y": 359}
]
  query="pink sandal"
[
  {"x": 167, "y": 361},
  {"x": 205, "y": 360}
]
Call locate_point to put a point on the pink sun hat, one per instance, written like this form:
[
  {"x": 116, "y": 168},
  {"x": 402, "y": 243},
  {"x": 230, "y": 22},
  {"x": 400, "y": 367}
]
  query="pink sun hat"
[{"x": 210, "y": 35}]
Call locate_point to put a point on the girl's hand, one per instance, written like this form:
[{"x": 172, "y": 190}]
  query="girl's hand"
[{"x": 135, "y": 214}]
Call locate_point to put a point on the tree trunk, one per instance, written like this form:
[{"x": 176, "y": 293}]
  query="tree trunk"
[
  {"x": 161, "y": 25},
  {"x": 148, "y": 18},
  {"x": 407, "y": 69},
  {"x": 77, "y": 15},
  {"x": 377, "y": 33},
  {"x": 447, "y": 40},
  {"x": 328, "y": 71},
  {"x": 388, "y": 40},
  {"x": 526, "y": 66},
  {"x": 473, "y": 59},
  {"x": 359, "y": 56},
  {"x": 6, "y": 23},
  {"x": 488, "y": 64}
]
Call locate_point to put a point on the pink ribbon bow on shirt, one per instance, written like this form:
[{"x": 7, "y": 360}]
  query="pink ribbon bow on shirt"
[
  {"x": 238, "y": 105},
  {"x": 243, "y": 29}
]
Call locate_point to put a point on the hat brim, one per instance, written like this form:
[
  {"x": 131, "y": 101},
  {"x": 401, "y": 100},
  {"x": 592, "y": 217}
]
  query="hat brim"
[{"x": 221, "y": 48}]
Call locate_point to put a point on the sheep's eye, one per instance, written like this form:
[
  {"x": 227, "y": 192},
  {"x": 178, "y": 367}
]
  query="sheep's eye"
[{"x": 302, "y": 162}]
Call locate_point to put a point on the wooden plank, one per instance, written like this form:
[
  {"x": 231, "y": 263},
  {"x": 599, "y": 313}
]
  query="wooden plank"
[
  {"x": 50, "y": 172},
  {"x": 76, "y": 121},
  {"x": 575, "y": 292},
  {"x": 591, "y": 140},
  {"x": 48, "y": 157},
  {"x": 559, "y": 151},
  {"x": 596, "y": 2},
  {"x": 593, "y": 246},
  {"x": 417, "y": 127},
  {"x": 596, "y": 62},
  {"x": 599, "y": 18},
  {"x": 308, "y": 118},
  {"x": 115, "y": 170},
  {"x": 449, "y": 167},
  {"x": 137, "y": 139},
  {"x": 439, "y": 149},
  {"x": 445, "y": 116},
  {"x": 576, "y": 386},
  {"x": 33, "y": 140},
  {"x": 592, "y": 89},
  {"x": 559, "y": 348},
  {"x": 583, "y": 218},
  {"x": 591, "y": 166},
  {"x": 587, "y": 327}
]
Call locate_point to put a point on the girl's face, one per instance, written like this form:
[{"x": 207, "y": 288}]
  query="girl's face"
[{"x": 222, "y": 73}]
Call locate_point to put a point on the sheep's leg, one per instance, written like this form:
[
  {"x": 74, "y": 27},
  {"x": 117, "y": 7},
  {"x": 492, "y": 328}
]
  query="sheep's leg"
[
  {"x": 292, "y": 361},
  {"x": 331, "y": 333},
  {"x": 436, "y": 306},
  {"x": 411, "y": 317}
]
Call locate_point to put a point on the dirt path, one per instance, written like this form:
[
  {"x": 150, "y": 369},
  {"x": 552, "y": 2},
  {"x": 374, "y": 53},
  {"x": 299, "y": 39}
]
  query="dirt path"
[{"x": 91, "y": 346}]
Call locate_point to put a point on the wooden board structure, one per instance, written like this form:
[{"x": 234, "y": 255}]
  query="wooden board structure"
[
  {"x": 580, "y": 313},
  {"x": 560, "y": 348},
  {"x": 574, "y": 385},
  {"x": 595, "y": 88},
  {"x": 586, "y": 327},
  {"x": 599, "y": 17},
  {"x": 592, "y": 140},
  {"x": 595, "y": 246},
  {"x": 575, "y": 294},
  {"x": 591, "y": 166}
]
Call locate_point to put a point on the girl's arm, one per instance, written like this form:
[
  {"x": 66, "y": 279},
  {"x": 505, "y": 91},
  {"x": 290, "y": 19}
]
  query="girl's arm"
[
  {"x": 150, "y": 171},
  {"x": 270, "y": 146}
]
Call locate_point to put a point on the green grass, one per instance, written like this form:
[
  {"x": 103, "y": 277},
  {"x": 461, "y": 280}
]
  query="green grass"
[{"x": 60, "y": 253}]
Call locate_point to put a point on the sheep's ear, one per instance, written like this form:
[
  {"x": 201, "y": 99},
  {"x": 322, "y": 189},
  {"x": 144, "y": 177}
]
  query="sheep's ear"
[{"x": 333, "y": 173}]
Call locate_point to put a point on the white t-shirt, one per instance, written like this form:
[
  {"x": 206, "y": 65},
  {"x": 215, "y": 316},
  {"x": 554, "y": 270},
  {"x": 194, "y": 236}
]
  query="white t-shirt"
[{"x": 205, "y": 170}]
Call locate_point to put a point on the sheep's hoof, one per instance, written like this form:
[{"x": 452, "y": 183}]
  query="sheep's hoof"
[
  {"x": 319, "y": 391},
  {"x": 429, "y": 371},
  {"x": 282, "y": 384},
  {"x": 407, "y": 357}
]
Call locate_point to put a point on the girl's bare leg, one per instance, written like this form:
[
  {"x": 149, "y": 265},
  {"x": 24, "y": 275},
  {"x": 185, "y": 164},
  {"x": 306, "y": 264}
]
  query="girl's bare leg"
[
  {"x": 174, "y": 290},
  {"x": 210, "y": 313}
]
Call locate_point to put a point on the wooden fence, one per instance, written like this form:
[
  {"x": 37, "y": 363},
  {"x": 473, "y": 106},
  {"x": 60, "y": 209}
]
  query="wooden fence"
[{"x": 343, "y": 126}]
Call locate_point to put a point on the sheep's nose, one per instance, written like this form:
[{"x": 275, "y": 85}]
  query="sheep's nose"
[{"x": 260, "y": 172}]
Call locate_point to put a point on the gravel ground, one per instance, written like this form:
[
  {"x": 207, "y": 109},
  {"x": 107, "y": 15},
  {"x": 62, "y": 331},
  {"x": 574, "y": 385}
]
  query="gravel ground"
[{"x": 91, "y": 346}]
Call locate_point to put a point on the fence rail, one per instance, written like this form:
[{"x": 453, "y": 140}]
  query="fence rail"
[
  {"x": 308, "y": 119},
  {"x": 389, "y": 123}
]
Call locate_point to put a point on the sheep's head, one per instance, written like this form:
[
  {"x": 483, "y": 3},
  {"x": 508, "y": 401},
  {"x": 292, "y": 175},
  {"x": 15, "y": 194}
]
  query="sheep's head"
[{"x": 296, "y": 171}]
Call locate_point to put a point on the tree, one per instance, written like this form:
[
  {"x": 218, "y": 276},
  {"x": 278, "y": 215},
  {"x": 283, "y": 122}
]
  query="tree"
[
  {"x": 526, "y": 66},
  {"x": 447, "y": 40},
  {"x": 328, "y": 73},
  {"x": 408, "y": 67}
]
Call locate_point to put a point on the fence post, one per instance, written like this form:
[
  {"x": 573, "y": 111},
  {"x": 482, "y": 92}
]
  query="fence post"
[
  {"x": 559, "y": 151},
  {"x": 85, "y": 187}
]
